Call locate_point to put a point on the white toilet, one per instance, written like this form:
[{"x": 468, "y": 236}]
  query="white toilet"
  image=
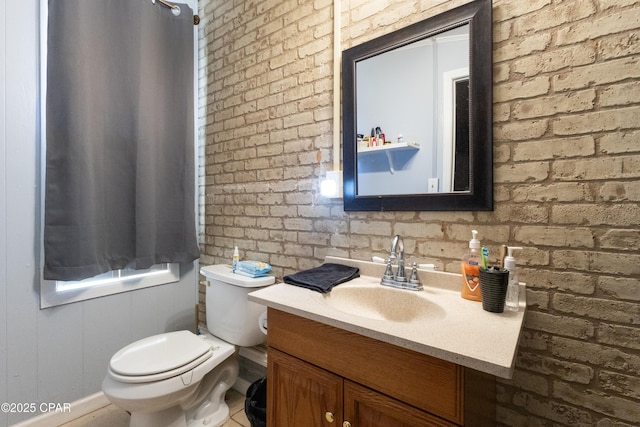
[{"x": 179, "y": 379}]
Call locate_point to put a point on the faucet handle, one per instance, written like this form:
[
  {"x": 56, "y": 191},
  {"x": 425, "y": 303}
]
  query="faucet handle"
[
  {"x": 414, "y": 279},
  {"x": 388, "y": 272}
]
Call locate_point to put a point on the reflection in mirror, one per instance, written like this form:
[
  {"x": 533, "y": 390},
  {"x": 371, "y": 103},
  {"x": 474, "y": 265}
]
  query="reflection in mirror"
[
  {"x": 456, "y": 131},
  {"x": 417, "y": 115},
  {"x": 417, "y": 110}
]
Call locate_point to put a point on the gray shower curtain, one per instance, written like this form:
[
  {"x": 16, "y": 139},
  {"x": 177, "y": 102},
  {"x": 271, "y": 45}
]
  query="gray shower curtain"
[{"x": 119, "y": 186}]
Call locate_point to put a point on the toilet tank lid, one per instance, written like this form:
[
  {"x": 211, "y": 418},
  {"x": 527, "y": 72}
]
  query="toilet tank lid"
[
  {"x": 159, "y": 353},
  {"x": 224, "y": 273}
]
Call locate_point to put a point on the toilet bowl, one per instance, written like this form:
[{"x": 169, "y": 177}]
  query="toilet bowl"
[{"x": 179, "y": 379}]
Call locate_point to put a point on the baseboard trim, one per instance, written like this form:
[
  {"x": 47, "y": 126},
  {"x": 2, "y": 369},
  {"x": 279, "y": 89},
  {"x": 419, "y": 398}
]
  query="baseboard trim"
[
  {"x": 79, "y": 408},
  {"x": 241, "y": 386},
  {"x": 257, "y": 354}
]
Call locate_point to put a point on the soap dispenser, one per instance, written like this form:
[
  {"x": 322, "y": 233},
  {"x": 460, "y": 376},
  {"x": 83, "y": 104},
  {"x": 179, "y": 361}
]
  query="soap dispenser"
[
  {"x": 512, "y": 302},
  {"x": 236, "y": 258},
  {"x": 471, "y": 270}
]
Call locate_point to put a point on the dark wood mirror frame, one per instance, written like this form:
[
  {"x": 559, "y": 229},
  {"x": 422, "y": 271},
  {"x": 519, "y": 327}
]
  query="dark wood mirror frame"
[{"x": 480, "y": 197}]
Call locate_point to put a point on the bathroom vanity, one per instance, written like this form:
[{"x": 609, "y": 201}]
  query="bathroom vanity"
[
  {"x": 367, "y": 355},
  {"x": 319, "y": 375}
]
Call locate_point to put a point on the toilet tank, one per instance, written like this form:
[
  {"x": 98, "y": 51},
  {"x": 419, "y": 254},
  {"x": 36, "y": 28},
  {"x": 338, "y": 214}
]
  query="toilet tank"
[{"x": 230, "y": 315}]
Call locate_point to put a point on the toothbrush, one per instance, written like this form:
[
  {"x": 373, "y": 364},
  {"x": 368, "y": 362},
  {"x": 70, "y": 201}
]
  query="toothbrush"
[
  {"x": 485, "y": 255},
  {"x": 503, "y": 253}
]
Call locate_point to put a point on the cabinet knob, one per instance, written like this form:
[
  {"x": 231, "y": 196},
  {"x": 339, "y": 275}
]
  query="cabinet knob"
[
  {"x": 329, "y": 416},
  {"x": 346, "y": 424}
]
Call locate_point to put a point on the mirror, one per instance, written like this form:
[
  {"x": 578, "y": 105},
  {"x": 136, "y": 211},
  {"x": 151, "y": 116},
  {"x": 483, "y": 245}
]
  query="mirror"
[{"x": 417, "y": 116}]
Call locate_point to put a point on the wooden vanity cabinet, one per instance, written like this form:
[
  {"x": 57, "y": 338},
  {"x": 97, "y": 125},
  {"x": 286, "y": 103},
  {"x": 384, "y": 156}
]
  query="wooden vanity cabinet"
[
  {"x": 301, "y": 394},
  {"x": 320, "y": 375},
  {"x": 364, "y": 407}
]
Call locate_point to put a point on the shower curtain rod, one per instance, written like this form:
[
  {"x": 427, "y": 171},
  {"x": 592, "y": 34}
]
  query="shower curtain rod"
[
  {"x": 196, "y": 18},
  {"x": 166, "y": 3}
]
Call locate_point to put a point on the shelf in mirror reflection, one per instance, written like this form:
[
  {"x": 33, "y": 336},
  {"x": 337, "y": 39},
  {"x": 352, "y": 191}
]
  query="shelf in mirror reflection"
[
  {"x": 397, "y": 146},
  {"x": 390, "y": 148}
]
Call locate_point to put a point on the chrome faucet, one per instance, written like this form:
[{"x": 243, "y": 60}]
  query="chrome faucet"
[
  {"x": 399, "y": 279},
  {"x": 397, "y": 251}
]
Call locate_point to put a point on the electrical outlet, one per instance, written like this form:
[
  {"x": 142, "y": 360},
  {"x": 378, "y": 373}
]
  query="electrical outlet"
[{"x": 433, "y": 185}]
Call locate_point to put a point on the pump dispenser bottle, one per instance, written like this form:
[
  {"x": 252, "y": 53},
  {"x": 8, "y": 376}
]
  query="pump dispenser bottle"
[
  {"x": 512, "y": 302},
  {"x": 471, "y": 270},
  {"x": 236, "y": 257}
]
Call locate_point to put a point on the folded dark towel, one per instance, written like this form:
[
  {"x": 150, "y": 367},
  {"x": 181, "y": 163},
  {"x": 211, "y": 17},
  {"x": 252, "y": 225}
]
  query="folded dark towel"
[{"x": 324, "y": 278}]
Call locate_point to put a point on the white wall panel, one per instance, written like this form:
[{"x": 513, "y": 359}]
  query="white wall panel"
[
  {"x": 3, "y": 211},
  {"x": 144, "y": 316},
  {"x": 60, "y": 353},
  {"x": 20, "y": 151}
]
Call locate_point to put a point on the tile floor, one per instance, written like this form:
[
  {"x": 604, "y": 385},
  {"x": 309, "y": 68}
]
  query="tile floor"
[{"x": 111, "y": 416}]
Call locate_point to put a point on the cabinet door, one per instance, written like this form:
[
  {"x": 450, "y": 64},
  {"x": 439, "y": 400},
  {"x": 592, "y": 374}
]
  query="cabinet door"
[
  {"x": 300, "y": 394},
  {"x": 364, "y": 407}
]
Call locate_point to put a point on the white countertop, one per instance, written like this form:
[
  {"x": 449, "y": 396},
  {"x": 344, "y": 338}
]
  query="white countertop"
[{"x": 455, "y": 329}]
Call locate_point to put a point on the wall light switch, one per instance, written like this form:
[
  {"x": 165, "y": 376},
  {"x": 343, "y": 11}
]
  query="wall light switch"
[
  {"x": 433, "y": 185},
  {"x": 331, "y": 185}
]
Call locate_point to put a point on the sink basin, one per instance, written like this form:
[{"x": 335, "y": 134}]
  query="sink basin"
[{"x": 377, "y": 302}]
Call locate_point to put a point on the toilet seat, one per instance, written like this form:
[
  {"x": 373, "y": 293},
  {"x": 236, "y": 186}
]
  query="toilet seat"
[{"x": 159, "y": 357}]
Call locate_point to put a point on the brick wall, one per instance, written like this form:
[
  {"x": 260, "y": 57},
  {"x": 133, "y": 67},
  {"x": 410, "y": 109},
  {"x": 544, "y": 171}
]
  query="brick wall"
[{"x": 567, "y": 169}]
